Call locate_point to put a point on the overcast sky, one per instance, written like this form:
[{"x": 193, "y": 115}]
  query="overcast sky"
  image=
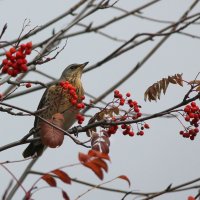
[{"x": 151, "y": 162}]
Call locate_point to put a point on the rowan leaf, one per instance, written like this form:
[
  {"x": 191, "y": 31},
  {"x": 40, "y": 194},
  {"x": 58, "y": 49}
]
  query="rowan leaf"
[
  {"x": 98, "y": 154},
  {"x": 83, "y": 157},
  {"x": 125, "y": 178},
  {"x": 49, "y": 179},
  {"x": 95, "y": 168},
  {"x": 101, "y": 163},
  {"x": 65, "y": 196},
  {"x": 62, "y": 176}
]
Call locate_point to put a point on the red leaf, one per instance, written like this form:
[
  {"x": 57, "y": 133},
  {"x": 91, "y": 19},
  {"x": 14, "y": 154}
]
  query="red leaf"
[
  {"x": 62, "y": 176},
  {"x": 95, "y": 168},
  {"x": 101, "y": 163},
  {"x": 93, "y": 153},
  {"x": 65, "y": 196},
  {"x": 49, "y": 179},
  {"x": 83, "y": 157},
  {"x": 191, "y": 198},
  {"x": 125, "y": 178}
]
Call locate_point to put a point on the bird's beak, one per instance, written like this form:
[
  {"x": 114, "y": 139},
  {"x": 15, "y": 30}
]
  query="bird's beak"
[{"x": 83, "y": 65}]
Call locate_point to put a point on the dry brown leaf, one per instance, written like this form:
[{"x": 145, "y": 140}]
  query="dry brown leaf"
[
  {"x": 51, "y": 136},
  {"x": 154, "y": 91}
]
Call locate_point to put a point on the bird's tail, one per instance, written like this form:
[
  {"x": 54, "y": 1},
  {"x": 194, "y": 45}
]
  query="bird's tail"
[{"x": 33, "y": 149}]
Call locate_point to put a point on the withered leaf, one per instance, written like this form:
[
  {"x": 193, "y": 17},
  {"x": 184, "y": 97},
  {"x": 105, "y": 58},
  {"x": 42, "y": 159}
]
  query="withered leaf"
[{"x": 154, "y": 91}]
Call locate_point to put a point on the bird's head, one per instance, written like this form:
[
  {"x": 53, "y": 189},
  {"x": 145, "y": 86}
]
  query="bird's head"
[{"x": 73, "y": 71}]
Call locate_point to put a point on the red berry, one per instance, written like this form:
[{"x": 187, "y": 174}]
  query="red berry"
[
  {"x": 22, "y": 46},
  {"x": 83, "y": 97},
  {"x": 141, "y": 133},
  {"x": 192, "y": 137},
  {"x": 19, "y": 54},
  {"x": 196, "y": 130},
  {"x": 131, "y": 133},
  {"x": 122, "y": 101},
  {"x": 116, "y": 92},
  {"x": 5, "y": 62},
  {"x": 24, "y": 67},
  {"x": 123, "y": 126},
  {"x": 128, "y": 94},
  {"x": 181, "y": 132},
  {"x": 191, "y": 115},
  {"x": 79, "y": 105},
  {"x": 10, "y": 72},
  {"x": 73, "y": 101},
  {"x": 139, "y": 115},
  {"x": 136, "y": 109},
  {"x": 12, "y": 50},
  {"x": 125, "y": 132},
  {"x": 186, "y": 109},
  {"x": 120, "y": 96},
  {"x": 8, "y": 54},
  {"x": 187, "y": 118},
  {"x": 19, "y": 61},
  {"x": 193, "y": 104},
  {"x": 29, "y": 45},
  {"x": 146, "y": 126},
  {"x": 28, "y": 51},
  {"x": 28, "y": 85}
]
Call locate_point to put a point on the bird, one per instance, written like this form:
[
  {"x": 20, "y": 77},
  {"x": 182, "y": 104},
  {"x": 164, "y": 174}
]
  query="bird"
[{"x": 49, "y": 100}]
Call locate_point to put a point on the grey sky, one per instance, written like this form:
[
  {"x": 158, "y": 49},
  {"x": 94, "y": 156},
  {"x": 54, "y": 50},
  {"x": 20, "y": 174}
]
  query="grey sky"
[{"x": 152, "y": 162}]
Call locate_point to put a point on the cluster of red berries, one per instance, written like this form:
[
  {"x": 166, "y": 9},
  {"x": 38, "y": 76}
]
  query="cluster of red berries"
[
  {"x": 128, "y": 130},
  {"x": 133, "y": 113},
  {"x": 132, "y": 104},
  {"x": 74, "y": 100},
  {"x": 192, "y": 115},
  {"x": 15, "y": 61}
]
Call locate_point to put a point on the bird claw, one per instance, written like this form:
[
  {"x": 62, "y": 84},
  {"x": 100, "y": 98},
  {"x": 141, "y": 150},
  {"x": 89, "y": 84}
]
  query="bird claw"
[{"x": 75, "y": 130}]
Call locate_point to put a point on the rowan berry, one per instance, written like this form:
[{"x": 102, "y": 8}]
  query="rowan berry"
[
  {"x": 187, "y": 118},
  {"x": 28, "y": 85},
  {"x": 128, "y": 94},
  {"x": 24, "y": 67},
  {"x": 193, "y": 104},
  {"x": 12, "y": 50},
  {"x": 131, "y": 133},
  {"x": 116, "y": 92},
  {"x": 146, "y": 126},
  {"x": 196, "y": 130},
  {"x": 141, "y": 133},
  {"x": 136, "y": 109},
  {"x": 123, "y": 126},
  {"x": 29, "y": 45}
]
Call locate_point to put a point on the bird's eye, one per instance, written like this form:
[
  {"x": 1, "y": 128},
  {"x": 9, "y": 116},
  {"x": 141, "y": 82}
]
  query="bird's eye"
[{"x": 73, "y": 67}]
